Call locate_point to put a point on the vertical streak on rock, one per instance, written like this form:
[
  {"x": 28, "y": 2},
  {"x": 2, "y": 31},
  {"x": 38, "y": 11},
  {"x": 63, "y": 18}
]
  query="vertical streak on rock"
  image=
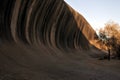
[
  {"x": 15, "y": 19},
  {"x": 28, "y": 16},
  {"x": 55, "y": 23},
  {"x": 6, "y": 8},
  {"x": 21, "y": 23}
]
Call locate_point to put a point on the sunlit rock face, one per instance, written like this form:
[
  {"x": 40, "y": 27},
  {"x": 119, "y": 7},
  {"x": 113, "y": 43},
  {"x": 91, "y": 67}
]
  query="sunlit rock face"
[
  {"x": 49, "y": 22},
  {"x": 40, "y": 38}
]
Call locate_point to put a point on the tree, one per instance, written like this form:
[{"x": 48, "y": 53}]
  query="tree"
[{"x": 110, "y": 36}]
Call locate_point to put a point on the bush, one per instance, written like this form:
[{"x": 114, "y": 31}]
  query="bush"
[{"x": 110, "y": 36}]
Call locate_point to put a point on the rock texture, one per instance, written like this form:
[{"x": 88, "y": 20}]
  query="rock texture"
[
  {"x": 39, "y": 40},
  {"x": 52, "y": 23}
]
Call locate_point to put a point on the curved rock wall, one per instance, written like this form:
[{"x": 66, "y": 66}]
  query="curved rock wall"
[
  {"x": 49, "y": 22},
  {"x": 43, "y": 40}
]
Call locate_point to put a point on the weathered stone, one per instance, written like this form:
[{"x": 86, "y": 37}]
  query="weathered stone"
[{"x": 52, "y": 22}]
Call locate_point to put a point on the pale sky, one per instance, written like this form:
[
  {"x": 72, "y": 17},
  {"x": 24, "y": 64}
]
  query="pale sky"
[{"x": 97, "y": 12}]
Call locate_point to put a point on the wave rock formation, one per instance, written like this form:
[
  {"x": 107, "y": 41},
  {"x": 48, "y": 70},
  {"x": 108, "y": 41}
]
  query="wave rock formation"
[
  {"x": 52, "y": 23},
  {"x": 38, "y": 36}
]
